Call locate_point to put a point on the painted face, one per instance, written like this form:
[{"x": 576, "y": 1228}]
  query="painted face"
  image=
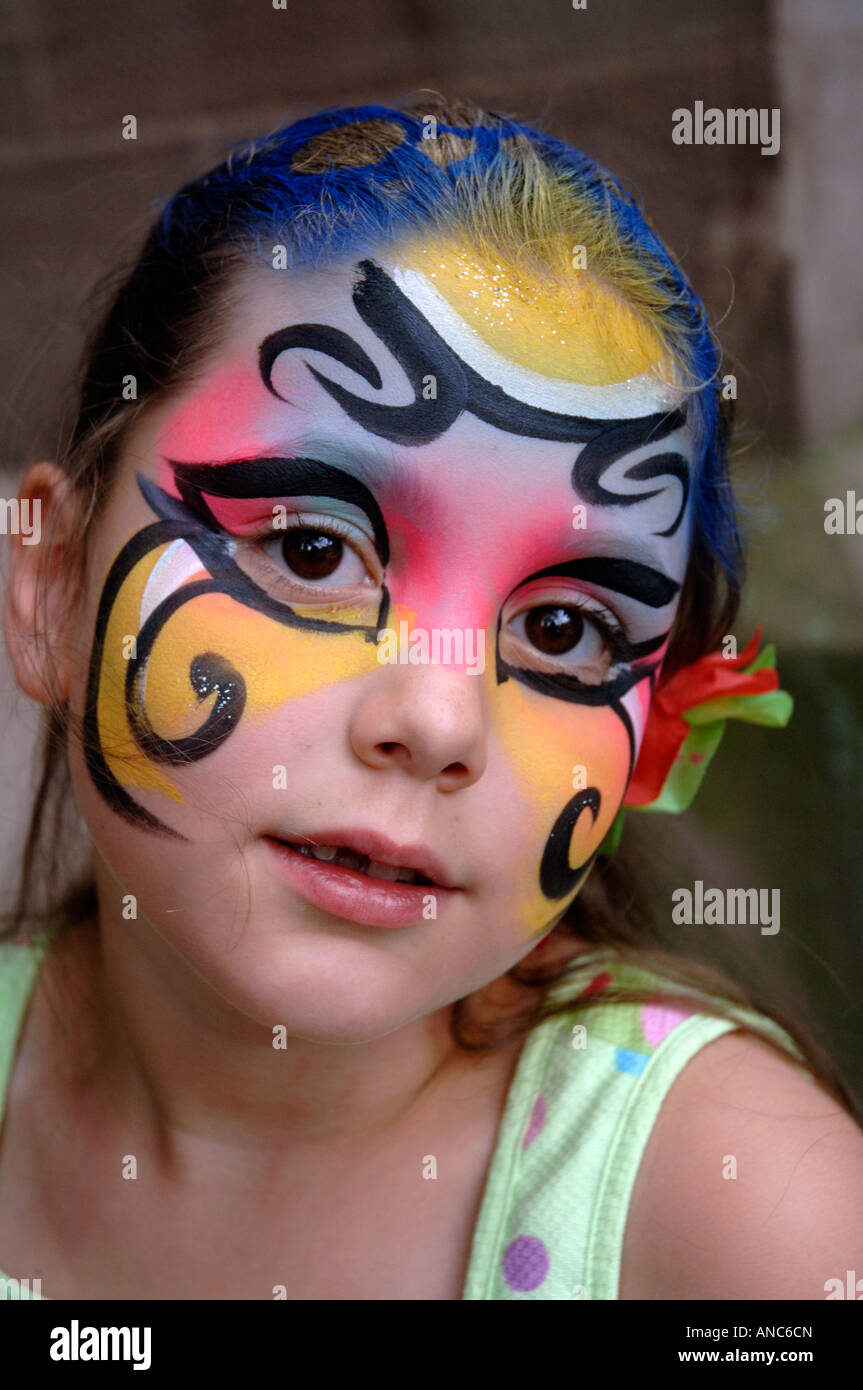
[{"x": 417, "y": 539}]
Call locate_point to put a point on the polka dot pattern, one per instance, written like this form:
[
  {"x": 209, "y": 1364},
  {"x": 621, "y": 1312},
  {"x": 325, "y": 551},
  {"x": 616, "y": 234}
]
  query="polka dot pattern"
[
  {"x": 633, "y": 1063},
  {"x": 657, "y": 1021},
  {"x": 550, "y": 1230},
  {"x": 525, "y": 1264}
]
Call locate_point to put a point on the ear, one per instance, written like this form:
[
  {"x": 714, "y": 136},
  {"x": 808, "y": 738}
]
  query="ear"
[{"x": 43, "y": 550}]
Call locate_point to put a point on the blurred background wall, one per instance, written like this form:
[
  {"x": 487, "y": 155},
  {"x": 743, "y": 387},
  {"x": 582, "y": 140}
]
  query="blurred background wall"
[{"x": 771, "y": 242}]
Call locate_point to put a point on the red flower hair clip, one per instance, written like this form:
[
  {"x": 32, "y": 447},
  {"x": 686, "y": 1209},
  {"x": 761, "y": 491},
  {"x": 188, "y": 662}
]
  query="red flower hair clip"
[{"x": 687, "y": 720}]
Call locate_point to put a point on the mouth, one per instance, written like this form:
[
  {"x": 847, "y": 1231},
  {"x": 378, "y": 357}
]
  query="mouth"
[
  {"x": 345, "y": 858},
  {"x": 363, "y": 876},
  {"x": 375, "y": 855}
]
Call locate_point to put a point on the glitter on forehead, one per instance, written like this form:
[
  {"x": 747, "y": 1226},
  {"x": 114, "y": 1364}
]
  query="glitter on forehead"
[{"x": 581, "y": 331}]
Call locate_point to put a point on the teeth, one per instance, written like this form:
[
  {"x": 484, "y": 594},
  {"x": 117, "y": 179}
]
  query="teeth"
[
  {"x": 390, "y": 871},
  {"x": 393, "y": 873}
]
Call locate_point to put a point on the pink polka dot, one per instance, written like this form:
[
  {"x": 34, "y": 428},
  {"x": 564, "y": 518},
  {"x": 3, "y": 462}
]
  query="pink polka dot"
[
  {"x": 525, "y": 1263},
  {"x": 536, "y": 1121},
  {"x": 657, "y": 1021}
]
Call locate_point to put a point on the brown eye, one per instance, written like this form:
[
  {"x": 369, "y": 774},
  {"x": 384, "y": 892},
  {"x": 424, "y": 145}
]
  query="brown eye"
[
  {"x": 312, "y": 554},
  {"x": 554, "y": 629}
]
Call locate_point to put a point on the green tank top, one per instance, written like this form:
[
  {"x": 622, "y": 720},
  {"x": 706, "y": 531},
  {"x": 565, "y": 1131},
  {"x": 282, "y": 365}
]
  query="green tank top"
[{"x": 580, "y": 1108}]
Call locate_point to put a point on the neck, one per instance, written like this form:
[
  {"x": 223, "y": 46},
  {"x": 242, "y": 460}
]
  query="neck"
[{"x": 143, "y": 1035}]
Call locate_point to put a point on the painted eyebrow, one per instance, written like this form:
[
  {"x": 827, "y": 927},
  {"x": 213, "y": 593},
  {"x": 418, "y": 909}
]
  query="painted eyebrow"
[
  {"x": 277, "y": 477},
  {"x": 297, "y": 474},
  {"x": 628, "y": 577},
  {"x": 372, "y": 467}
]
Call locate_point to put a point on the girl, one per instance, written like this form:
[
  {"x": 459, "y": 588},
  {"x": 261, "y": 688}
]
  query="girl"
[{"x": 391, "y": 552}]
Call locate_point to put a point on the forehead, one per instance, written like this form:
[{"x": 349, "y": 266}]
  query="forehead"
[
  {"x": 366, "y": 359},
  {"x": 568, "y": 338}
]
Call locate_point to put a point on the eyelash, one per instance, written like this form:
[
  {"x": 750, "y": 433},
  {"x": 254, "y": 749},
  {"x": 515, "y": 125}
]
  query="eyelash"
[{"x": 610, "y": 629}]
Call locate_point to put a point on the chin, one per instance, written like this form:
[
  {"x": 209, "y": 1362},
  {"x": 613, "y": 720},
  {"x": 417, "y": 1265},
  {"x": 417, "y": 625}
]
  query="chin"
[{"x": 323, "y": 991}]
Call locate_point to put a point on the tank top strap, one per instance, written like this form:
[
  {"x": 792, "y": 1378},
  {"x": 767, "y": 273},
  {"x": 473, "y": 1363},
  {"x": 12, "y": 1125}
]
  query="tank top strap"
[{"x": 581, "y": 1106}]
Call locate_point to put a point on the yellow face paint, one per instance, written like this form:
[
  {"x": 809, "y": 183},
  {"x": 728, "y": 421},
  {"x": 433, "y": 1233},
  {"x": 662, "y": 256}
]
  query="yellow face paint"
[
  {"x": 548, "y": 743},
  {"x": 579, "y": 331},
  {"x": 276, "y": 662}
]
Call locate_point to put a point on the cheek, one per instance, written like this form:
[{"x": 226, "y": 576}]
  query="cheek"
[
  {"x": 200, "y": 665},
  {"x": 559, "y": 751}
]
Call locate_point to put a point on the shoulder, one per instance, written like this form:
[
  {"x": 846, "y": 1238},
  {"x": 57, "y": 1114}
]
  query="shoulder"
[{"x": 750, "y": 1186}]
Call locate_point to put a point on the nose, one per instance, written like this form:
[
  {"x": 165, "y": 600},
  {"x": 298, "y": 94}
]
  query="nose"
[{"x": 428, "y": 721}]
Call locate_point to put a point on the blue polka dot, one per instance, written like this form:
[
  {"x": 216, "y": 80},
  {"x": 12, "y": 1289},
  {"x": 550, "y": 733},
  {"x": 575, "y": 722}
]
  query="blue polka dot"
[{"x": 632, "y": 1062}]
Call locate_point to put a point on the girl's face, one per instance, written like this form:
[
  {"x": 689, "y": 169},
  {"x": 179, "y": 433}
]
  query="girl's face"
[{"x": 396, "y": 574}]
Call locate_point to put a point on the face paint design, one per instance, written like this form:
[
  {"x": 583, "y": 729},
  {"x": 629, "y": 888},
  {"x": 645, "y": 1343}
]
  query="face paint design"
[
  {"x": 423, "y": 354},
  {"x": 204, "y": 564},
  {"x": 650, "y": 587},
  {"x": 246, "y": 651}
]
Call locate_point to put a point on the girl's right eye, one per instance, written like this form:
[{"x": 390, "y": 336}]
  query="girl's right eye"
[
  {"x": 311, "y": 554},
  {"x": 326, "y": 558}
]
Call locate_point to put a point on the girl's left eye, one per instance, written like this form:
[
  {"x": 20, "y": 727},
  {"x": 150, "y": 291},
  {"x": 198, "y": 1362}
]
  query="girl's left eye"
[{"x": 567, "y": 635}]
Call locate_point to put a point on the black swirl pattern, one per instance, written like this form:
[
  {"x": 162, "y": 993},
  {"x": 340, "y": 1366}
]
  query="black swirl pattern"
[
  {"x": 422, "y": 353},
  {"x": 209, "y": 671}
]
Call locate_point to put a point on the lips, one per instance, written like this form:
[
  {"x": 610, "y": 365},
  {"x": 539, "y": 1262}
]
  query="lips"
[
  {"x": 370, "y": 853},
  {"x": 372, "y": 897}
]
